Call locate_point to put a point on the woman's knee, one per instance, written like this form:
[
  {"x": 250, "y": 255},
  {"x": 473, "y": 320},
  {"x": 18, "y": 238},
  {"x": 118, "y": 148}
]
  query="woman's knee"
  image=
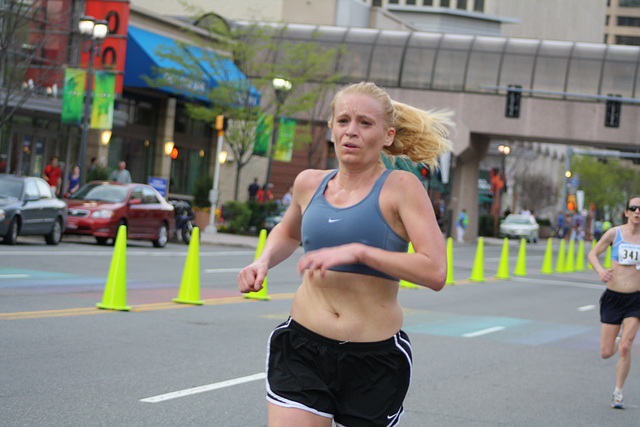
[{"x": 607, "y": 352}]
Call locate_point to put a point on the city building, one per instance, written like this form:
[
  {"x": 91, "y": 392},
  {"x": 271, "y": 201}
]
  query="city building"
[
  {"x": 622, "y": 22},
  {"x": 145, "y": 117}
]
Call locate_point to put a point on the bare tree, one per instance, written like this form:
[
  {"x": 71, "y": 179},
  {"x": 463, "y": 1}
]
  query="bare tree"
[
  {"x": 34, "y": 43},
  {"x": 536, "y": 191}
]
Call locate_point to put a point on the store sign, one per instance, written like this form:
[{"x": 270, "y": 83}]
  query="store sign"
[{"x": 114, "y": 48}]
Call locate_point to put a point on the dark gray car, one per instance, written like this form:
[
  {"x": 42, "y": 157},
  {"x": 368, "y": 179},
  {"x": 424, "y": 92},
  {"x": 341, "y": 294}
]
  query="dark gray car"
[{"x": 29, "y": 207}]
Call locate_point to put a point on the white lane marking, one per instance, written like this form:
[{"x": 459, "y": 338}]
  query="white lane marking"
[
  {"x": 223, "y": 270},
  {"x": 586, "y": 307},
  {"x": 204, "y": 388},
  {"x": 13, "y": 276},
  {"x": 483, "y": 332}
]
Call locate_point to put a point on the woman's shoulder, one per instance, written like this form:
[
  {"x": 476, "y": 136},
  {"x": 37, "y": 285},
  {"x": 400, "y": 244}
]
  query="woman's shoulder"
[
  {"x": 403, "y": 180},
  {"x": 309, "y": 179}
]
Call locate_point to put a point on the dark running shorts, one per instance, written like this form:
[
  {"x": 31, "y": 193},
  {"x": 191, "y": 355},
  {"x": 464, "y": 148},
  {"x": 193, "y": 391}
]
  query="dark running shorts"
[
  {"x": 617, "y": 306},
  {"x": 356, "y": 384}
]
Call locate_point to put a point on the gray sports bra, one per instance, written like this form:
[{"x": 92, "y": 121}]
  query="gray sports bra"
[{"x": 324, "y": 225}]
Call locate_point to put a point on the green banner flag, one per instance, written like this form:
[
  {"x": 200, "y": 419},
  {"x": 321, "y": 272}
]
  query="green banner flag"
[
  {"x": 286, "y": 135},
  {"x": 103, "y": 97},
  {"x": 263, "y": 135},
  {"x": 74, "y": 82}
]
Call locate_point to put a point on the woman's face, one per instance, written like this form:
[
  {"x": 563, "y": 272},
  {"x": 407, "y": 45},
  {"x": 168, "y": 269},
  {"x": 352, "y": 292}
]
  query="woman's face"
[
  {"x": 358, "y": 130},
  {"x": 76, "y": 169},
  {"x": 633, "y": 216}
]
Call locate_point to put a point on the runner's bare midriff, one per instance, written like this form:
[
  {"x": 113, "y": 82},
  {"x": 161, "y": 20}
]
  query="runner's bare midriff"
[
  {"x": 348, "y": 306},
  {"x": 626, "y": 278}
]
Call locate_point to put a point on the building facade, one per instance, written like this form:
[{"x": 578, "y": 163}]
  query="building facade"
[{"x": 146, "y": 117}]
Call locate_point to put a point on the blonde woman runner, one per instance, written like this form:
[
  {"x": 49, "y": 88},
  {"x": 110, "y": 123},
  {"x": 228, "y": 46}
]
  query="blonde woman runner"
[{"x": 342, "y": 355}]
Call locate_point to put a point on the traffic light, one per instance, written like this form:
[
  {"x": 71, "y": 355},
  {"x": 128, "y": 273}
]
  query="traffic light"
[
  {"x": 612, "y": 115},
  {"x": 174, "y": 153},
  {"x": 513, "y": 101},
  {"x": 571, "y": 202},
  {"x": 222, "y": 121}
]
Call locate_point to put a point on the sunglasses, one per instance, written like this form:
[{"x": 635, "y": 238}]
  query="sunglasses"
[{"x": 633, "y": 208}]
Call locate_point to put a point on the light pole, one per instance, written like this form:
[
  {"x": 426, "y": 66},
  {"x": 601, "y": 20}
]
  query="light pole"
[
  {"x": 282, "y": 88},
  {"x": 221, "y": 157},
  {"x": 93, "y": 33}
]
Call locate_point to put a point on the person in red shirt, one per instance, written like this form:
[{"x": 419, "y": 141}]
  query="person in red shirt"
[
  {"x": 260, "y": 193},
  {"x": 53, "y": 175}
]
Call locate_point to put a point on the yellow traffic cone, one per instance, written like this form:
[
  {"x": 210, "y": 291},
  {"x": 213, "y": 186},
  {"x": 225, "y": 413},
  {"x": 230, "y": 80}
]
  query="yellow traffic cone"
[
  {"x": 115, "y": 291},
  {"x": 593, "y": 245},
  {"x": 503, "y": 267},
  {"x": 547, "y": 264},
  {"x": 607, "y": 258},
  {"x": 449, "y": 261},
  {"x": 521, "y": 264},
  {"x": 569, "y": 266},
  {"x": 262, "y": 293},
  {"x": 580, "y": 257},
  {"x": 404, "y": 283},
  {"x": 477, "y": 274},
  {"x": 560, "y": 260},
  {"x": 190, "y": 285}
]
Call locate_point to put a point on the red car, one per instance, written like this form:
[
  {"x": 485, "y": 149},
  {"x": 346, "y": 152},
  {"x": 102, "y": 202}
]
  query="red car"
[{"x": 99, "y": 208}]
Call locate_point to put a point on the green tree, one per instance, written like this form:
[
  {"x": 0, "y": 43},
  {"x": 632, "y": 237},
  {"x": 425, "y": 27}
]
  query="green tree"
[
  {"x": 252, "y": 47},
  {"x": 608, "y": 183}
]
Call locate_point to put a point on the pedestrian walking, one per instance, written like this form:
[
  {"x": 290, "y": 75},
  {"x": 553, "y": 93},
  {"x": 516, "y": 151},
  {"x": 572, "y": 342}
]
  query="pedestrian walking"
[
  {"x": 53, "y": 175},
  {"x": 342, "y": 355},
  {"x": 620, "y": 302},
  {"x": 461, "y": 225},
  {"x": 121, "y": 174}
]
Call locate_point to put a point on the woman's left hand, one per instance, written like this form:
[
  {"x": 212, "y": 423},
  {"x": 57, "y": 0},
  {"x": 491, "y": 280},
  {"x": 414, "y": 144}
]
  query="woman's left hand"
[{"x": 323, "y": 259}]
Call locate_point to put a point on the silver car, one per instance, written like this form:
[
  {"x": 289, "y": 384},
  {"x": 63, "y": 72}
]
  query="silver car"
[
  {"x": 517, "y": 226},
  {"x": 29, "y": 207}
]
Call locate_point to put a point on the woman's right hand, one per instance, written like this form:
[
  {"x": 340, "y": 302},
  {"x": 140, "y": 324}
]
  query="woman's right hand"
[
  {"x": 251, "y": 278},
  {"x": 606, "y": 275}
]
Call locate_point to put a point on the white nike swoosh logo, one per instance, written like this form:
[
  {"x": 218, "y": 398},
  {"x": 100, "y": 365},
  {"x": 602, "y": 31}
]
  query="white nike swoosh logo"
[{"x": 331, "y": 220}]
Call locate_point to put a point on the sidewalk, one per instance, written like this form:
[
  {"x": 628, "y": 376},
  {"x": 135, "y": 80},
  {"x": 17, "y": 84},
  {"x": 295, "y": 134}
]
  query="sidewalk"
[{"x": 226, "y": 239}]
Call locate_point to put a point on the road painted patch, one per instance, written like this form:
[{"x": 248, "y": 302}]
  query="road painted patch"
[
  {"x": 504, "y": 329},
  {"x": 10, "y": 278}
]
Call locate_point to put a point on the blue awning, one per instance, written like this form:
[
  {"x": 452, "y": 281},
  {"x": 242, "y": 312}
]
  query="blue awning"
[{"x": 143, "y": 49}]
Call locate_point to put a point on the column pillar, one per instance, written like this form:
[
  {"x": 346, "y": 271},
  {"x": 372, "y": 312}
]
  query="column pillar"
[{"x": 465, "y": 185}]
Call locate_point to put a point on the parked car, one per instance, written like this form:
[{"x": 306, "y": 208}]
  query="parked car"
[
  {"x": 520, "y": 226},
  {"x": 100, "y": 208},
  {"x": 274, "y": 218},
  {"x": 29, "y": 207}
]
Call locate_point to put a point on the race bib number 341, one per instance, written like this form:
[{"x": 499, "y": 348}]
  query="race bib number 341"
[{"x": 629, "y": 254}]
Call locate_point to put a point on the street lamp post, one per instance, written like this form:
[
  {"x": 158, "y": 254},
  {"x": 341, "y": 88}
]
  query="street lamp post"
[
  {"x": 282, "y": 88},
  {"x": 221, "y": 157},
  {"x": 93, "y": 33}
]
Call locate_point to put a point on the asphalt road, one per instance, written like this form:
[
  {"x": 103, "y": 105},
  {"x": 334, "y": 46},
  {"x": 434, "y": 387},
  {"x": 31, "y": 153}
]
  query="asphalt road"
[{"x": 516, "y": 352}]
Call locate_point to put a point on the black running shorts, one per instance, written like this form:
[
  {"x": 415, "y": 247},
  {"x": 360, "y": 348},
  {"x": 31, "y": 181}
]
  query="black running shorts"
[
  {"x": 356, "y": 384},
  {"x": 617, "y": 306}
]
